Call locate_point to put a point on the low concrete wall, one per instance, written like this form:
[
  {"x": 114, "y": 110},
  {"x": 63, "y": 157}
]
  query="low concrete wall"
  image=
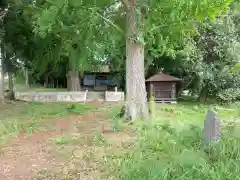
[
  {"x": 52, "y": 96},
  {"x": 113, "y": 96},
  {"x": 110, "y": 96}
]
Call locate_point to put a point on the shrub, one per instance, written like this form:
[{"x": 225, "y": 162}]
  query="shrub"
[{"x": 229, "y": 95}]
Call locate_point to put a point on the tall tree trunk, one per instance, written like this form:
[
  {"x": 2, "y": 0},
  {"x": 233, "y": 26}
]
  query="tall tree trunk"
[
  {"x": 10, "y": 86},
  {"x": 26, "y": 77},
  {"x": 10, "y": 81},
  {"x": 136, "y": 105},
  {"x": 73, "y": 81},
  {"x": 9, "y": 69},
  {"x": 46, "y": 78},
  {"x": 203, "y": 95},
  {"x": 2, "y": 76}
]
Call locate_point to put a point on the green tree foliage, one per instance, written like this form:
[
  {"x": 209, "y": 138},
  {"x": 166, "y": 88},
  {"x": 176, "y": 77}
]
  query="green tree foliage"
[
  {"x": 79, "y": 27},
  {"x": 218, "y": 46},
  {"x": 207, "y": 61},
  {"x": 24, "y": 48},
  {"x": 73, "y": 23},
  {"x": 18, "y": 39}
]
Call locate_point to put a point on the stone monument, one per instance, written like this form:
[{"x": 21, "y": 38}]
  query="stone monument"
[{"x": 212, "y": 128}]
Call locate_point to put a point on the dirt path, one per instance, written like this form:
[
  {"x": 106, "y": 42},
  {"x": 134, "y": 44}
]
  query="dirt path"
[{"x": 26, "y": 154}]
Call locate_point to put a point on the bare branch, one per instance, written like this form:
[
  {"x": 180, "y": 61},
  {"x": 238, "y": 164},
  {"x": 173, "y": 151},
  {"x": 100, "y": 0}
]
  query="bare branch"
[{"x": 110, "y": 23}]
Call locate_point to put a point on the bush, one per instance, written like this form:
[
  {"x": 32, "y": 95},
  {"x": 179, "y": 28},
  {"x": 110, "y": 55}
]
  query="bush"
[
  {"x": 168, "y": 153},
  {"x": 229, "y": 95}
]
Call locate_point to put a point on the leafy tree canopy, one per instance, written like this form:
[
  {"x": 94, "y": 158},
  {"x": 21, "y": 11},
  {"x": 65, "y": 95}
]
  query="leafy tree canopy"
[{"x": 90, "y": 25}]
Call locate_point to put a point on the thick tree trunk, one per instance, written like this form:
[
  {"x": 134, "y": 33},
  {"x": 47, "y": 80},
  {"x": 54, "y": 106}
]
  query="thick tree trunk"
[
  {"x": 203, "y": 95},
  {"x": 73, "y": 81},
  {"x": 2, "y": 76},
  {"x": 136, "y": 105}
]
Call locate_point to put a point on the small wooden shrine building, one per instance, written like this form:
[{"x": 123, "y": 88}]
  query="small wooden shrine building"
[{"x": 162, "y": 87}]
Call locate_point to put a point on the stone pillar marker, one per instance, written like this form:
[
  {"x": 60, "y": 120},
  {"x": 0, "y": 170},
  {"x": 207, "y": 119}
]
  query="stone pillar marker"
[{"x": 212, "y": 127}]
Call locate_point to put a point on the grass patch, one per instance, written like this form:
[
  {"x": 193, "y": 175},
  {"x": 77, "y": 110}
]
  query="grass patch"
[
  {"x": 116, "y": 117},
  {"x": 81, "y": 108},
  {"x": 61, "y": 140},
  {"x": 15, "y": 125},
  {"x": 68, "y": 139},
  {"x": 163, "y": 151},
  {"x": 194, "y": 111},
  {"x": 29, "y": 117},
  {"x": 171, "y": 146},
  {"x": 98, "y": 139},
  {"x": 40, "y": 110},
  {"x": 116, "y": 111},
  {"x": 45, "y": 175},
  {"x": 68, "y": 174}
]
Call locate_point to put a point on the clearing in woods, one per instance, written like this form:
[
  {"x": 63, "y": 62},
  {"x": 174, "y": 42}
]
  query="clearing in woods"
[{"x": 44, "y": 141}]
